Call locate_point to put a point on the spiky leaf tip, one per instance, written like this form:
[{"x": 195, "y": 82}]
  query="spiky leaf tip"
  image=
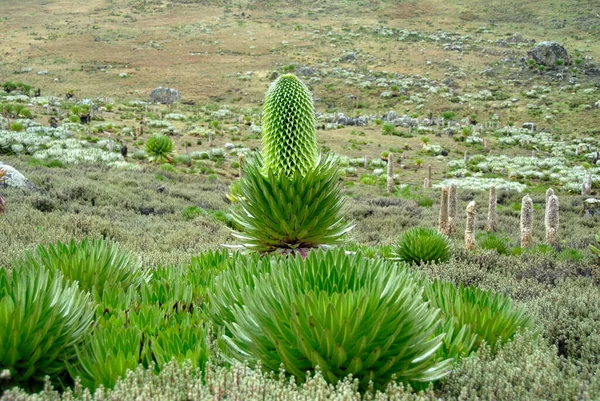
[{"x": 290, "y": 139}]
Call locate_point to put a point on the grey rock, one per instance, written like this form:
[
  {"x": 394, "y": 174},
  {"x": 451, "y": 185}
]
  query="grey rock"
[
  {"x": 548, "y": 53},
  {"x": 517, "y": 38},
  {"x": 307, "y": 71},
  {"x": 449, "y": 82},
  {"x": 591, "y": 207},
  {"x": 165, "y": 95},
  {"x": 14, "y": 179},
  {"x": 390, "y": 116},
  {"x": 349, "y": 57}
]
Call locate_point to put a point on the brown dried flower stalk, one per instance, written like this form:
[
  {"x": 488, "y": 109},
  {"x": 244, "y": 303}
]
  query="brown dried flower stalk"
[{"x": 470, "y": 242}]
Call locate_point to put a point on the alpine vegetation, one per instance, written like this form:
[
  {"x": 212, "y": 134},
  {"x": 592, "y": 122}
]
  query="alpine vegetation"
[
  {"x": 160, "y": 148},
  {"x": 443, "y": 217},
  {"x": 452, "y": 208},
  {"x": 422, "y": 245},
  {"x": 470, "y": 242},
  {"x": 526, "y": 221},
  {"x": 347, "y": 314},
  {"x": 290, "y": 199},
  {"x": 290, "y": 138},
  {"x": 390, "y": 173},
  {"x": 492, "y": 217},
  {"x": 551, "y": 220}
]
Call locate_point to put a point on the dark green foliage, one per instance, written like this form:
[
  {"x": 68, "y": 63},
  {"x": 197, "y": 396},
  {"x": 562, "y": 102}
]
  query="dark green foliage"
[
  {"x": 159, "y": 148},
  {"x": 281, "y": 212},
  {"x": 488, "y": 315},
  {"x": 346, "y": 314},
  {"x": 42, "y": 322},
  {"x": 93, "y": 263},
  {"x": 420, "y": 244}
]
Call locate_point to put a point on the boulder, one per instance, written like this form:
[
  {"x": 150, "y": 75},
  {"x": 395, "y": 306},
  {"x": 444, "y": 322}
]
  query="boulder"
[
  {"x": 306, "y": 71},
  {"x": 349, "y": 57},
  {"x": 591, "y": 207},
  {"x": 165, "y": 95},
  {"x": 14, "y": 179},
  {"x": 548, "y": 53},
  {"x": 517, "y": 38}
]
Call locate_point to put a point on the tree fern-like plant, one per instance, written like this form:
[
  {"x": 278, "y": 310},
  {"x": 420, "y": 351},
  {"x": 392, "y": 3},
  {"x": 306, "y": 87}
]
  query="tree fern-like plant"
[
  {"x": 420, "y": 244},
  {"x": 159, "y": 148},
  {"x": 42, "y": 322},
  {"x": 344, "y": 313},
  {"x": 288, "y": 198}
]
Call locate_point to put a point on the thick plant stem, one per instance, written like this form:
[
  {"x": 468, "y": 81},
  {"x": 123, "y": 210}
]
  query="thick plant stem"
[
  {"x": 492, "y": 217},
  {"x": 443, "y": 218},
  {"x": 452, "y": 206},
  {"x": 551, "y": 220},
  {"x": 470, "y": 242},
  {"x": 390, "y": 173},
  {"x": 526, "y": 222}
]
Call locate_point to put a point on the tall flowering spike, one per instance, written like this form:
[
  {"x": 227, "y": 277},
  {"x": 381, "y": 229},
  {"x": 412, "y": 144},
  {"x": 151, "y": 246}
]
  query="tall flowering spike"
[
  {"x": 551, "y": 220},
  {"x": 470, "y": 242},
  {"x": 290, "y": 138},
  {"x": 549, "y": 193},
  {"x": 492, "y": 217},
  {"x": 443, "y": 219},
  {"x": 390, "y": 173},
  {"x": 452, "y": 206},
  {"x": 526, "y": 221}
]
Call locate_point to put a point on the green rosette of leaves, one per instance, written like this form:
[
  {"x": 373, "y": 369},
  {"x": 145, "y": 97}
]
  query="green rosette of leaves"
[{"x": 289, "y": 199}]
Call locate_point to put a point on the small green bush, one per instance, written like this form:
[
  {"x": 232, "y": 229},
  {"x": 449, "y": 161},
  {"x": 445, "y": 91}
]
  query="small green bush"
[
  {"x": 420, "y": 244},
  {"x": 17, "y": 126}
]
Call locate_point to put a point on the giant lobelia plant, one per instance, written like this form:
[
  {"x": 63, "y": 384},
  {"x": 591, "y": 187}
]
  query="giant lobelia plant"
[
  {"x": 289, "y": 198},
  {"x": 42, "y": 322},
  {"x": 346, "y": 314}
]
